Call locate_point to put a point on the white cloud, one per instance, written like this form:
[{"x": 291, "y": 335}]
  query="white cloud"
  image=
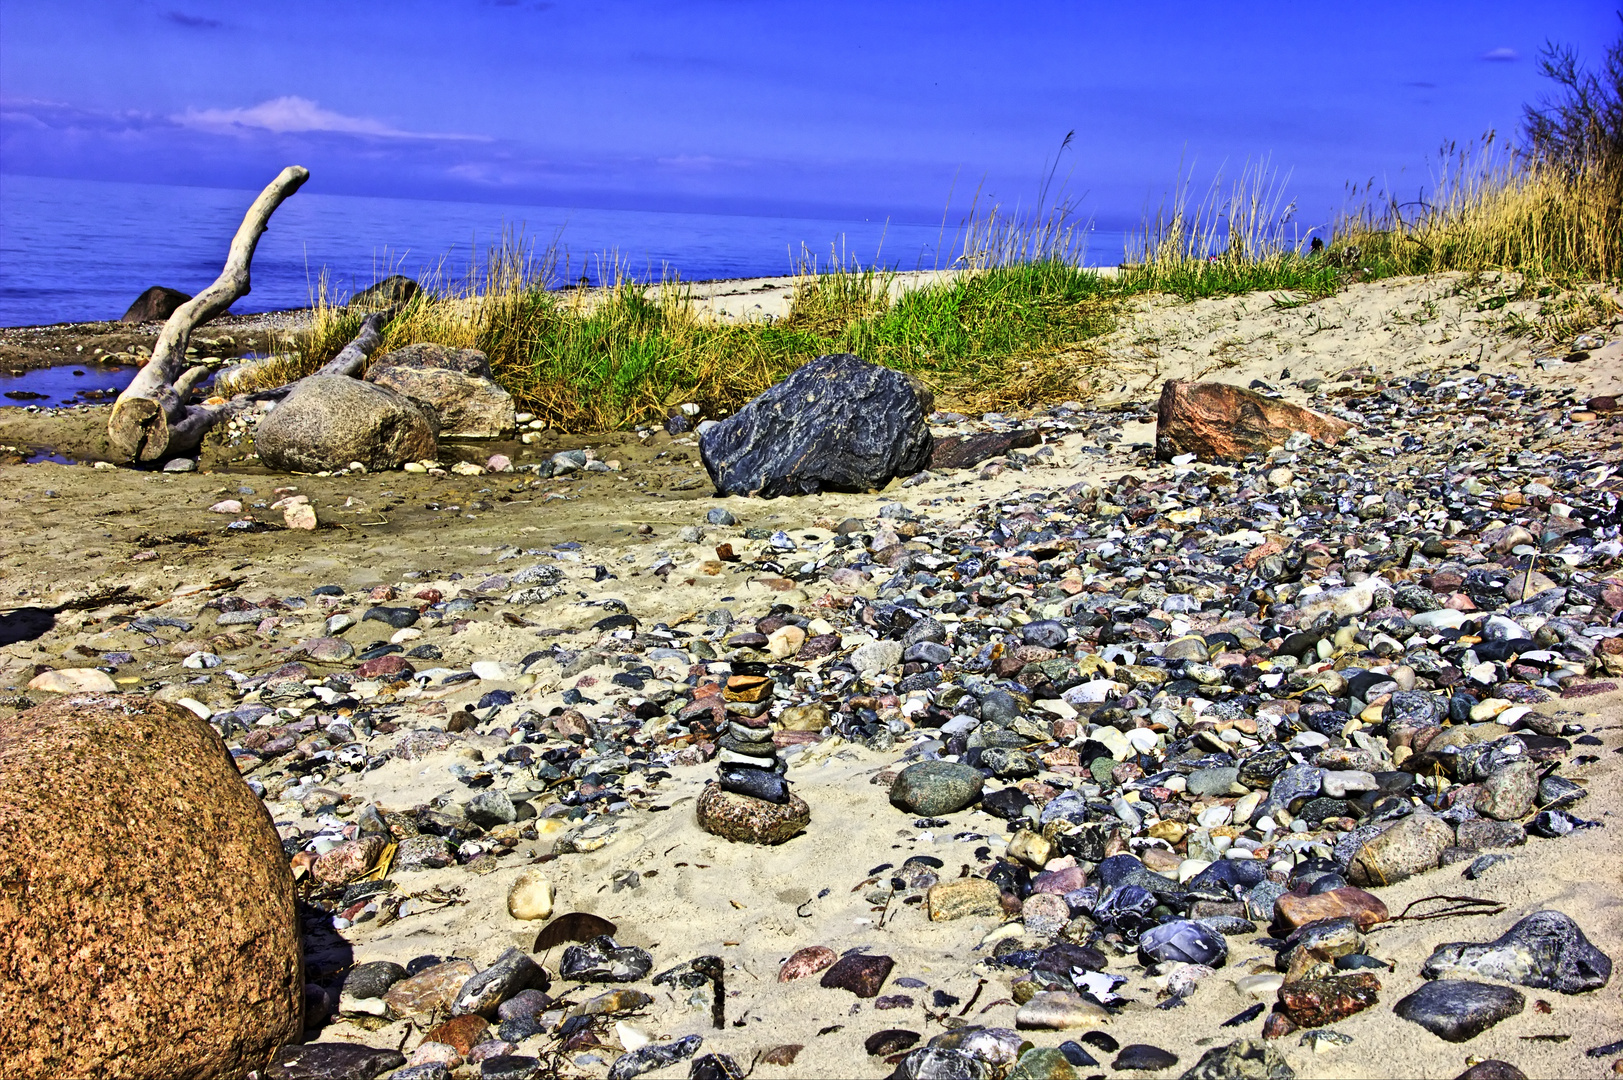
[
  {"x": 291, "y": 114},
  {"x": 1502, "y": 55}
]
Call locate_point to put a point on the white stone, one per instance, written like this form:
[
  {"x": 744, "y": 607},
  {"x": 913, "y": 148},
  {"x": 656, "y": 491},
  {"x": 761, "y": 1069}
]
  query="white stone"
[
  {"x": 200, "y": 660},
  {"x": 1058, "y": 706},
  {"x": 1094, "y": 691},
  {"x": 73, "y": 681},
  {"x": 226, "y": 506},
  {"x": 1213, "y": 816},
  {"x": 203, "y": 711},
  {"x": 1112, "y": 740},
  {"x": 530, "y": 896},
  {"x": 1443, "y": 619},
  {"x": 1339, "y": 783},
  {"x": 1142, "y": 740},
  {"x": 494, "y": 670}
]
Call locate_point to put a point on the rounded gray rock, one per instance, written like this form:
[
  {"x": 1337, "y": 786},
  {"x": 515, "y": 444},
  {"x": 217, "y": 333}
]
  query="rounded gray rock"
[{"x": 933, "y": 788}]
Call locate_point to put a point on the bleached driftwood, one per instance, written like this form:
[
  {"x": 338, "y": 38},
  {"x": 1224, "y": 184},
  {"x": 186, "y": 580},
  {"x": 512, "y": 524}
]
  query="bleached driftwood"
[{"x": 152, "y": 418}]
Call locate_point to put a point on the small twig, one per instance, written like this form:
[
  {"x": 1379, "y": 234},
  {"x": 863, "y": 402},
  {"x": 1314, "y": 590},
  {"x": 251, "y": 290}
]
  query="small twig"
[
  {"x": 976, "y": 996},
  {"x": 1466, "y": 905}
]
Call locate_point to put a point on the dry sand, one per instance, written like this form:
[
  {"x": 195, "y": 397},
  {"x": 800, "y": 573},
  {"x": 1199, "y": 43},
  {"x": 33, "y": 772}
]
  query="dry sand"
[{"x": 71, "y": 530}]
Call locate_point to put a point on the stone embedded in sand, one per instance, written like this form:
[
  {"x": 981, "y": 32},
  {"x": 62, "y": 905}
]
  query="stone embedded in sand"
[
  {"x": 1312, "y": 1003},
  {"x": 614, "y": 1001},
  {"x": 530, "y": 896},
  {"x": 1458, "y": 1010},
  {"x": 1215, "y": 420},
  {"x": 150, "y": 927},
  {"x": 328, "y": 650},
  {"x": 430, "y": 992},
  {"x": 837, "y": 424},
  {"x": 1546, "y": 951},
  {"x": 74, "y": 681},
  {"x": 1243, "y": 1059},
  {"x": 1411, "y": 846},
  {"x": 890, "y": 1041},
  {"x": 1058, "y": 1010},
  {"x": 1364, "y": 908},
  {"x": 933, "y": 788},
  {"x": 964, "y": 898},
  {"x": 807, "y": 961},
  {"x": 1142, "y": 1057},
  {"x": 965, "y": 451},
  {"x": 373, "y": 979},
  {"x": 862, "y": 975},
  {"x": 1492, "y": 1069},
  {"x": 744, "y": 820},
  {"x": 332, "y": 1061}
]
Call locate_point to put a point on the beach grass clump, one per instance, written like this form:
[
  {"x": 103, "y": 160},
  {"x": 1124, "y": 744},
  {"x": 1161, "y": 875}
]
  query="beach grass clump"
[{"x": 628, "y": 353}]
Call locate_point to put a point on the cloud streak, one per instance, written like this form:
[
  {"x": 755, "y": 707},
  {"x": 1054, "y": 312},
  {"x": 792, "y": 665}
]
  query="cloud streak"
[{"x": 292, "y": 114}]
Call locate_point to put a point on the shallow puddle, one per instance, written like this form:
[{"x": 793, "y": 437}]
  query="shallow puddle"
[{"x": 64, "y": 384}]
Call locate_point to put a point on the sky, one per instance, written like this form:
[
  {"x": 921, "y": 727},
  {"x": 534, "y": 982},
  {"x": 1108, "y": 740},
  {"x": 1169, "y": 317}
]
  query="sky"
[{"x": 835, "y": 109}]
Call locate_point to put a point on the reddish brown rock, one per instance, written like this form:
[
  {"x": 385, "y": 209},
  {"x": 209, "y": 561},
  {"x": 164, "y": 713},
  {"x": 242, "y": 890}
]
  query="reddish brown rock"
[
  {"x": 1214, "y": 420},
  {"x": 148, "y": 924},
  {"x": 464, "y": 1033},
  {"x": 807, "y": 961},
  {"x": 963, "y": 451},
  {"x": 430, "y": 992},
  {"x": 348, "y": 860},
  {"x": 384, "y": 666},
  {"x": 862, "y": 975},
  {"x": 1363, "y": 908},
  {"x": 1312, "y": 1003}
]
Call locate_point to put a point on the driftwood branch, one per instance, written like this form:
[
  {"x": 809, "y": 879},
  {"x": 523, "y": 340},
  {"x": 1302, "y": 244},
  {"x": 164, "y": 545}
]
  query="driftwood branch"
[{"x": 151, "y": 419}]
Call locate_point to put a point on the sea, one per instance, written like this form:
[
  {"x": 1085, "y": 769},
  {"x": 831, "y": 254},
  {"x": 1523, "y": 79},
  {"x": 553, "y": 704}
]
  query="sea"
[{"x": 82, "y": 250}]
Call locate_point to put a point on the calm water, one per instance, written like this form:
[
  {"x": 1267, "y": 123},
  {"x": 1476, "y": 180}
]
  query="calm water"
[{"x": 78, "y": 250}]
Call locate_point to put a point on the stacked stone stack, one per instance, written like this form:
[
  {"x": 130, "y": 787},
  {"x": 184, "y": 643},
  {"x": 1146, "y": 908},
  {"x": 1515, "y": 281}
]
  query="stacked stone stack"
[{"x": 750, "y": 802}]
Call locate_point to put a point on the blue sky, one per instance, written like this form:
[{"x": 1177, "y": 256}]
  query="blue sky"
[{"x": 833, "y": 109}]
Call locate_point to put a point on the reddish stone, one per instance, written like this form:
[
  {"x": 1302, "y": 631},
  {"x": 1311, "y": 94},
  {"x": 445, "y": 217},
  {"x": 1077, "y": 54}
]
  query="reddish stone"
[
  {"x": 148, "y": 918},
  {"x": 862, "y": 975},
  {"x": 383, "y": 666},
  {"x": 348, "y": 861},
  {"x": 1277, "y": 1026},
  {"x": 1216, "y": 420},
  {"x": 807, "y": 961},
  {"x": 383, "y": 592},
  {"x": 1313, "y": 1003},
  {"x": 1363, "y": 908},
  {"x": 1060, "y": 881},
  {"x": 463, "y": 1032},
  {"x": 429, "y": 596}
]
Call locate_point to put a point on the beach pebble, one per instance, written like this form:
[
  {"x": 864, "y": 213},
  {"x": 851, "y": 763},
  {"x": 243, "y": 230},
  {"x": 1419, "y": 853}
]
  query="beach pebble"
[
  {"x": 1459, "y": 1010},
  {"x": 530, "y": 896}
]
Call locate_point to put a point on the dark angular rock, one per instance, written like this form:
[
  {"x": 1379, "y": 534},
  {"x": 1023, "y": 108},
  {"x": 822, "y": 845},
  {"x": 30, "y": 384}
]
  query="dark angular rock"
[
  {"x": 860, "y": 974},
  {"x": 1459, "y": 1011},
  {"x": 397, "y": 617},
  {"x": 654, "y": 1056},
  {"x": 392, "y": 290},
  {"x": 837, "y": 424},
  {"x": 764, "y": 784},
  {"x": 332, "y": 1061},
  {"x": 1545, "y": 951},
  {"x": 604, "y": 960},
  {"x": 963, "y": 451},
  {"x": 714, "y": 1067},
  {"x": 510, "y": 973}
]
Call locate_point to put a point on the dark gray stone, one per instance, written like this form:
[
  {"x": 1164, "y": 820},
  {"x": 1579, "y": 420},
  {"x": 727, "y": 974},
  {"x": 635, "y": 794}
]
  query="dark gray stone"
[
  {"x": 1044, "y": 633},
  {"x": 654, "y": 1056},
  {"x": 1143, "y": 1057},
  {"x": 1184, "y": 940},
  {"x": 391, "y": 291},
  {"x": 154, "y": 305},
  {"x": 933, "y": 788},
  {"x": 510, "y": 973},
  {"x": 1457, "y": 1010},
  {"x": 1545, "y": 951},
  {"x": 604, "y": 960},
  {"x": 926, "y": 652},
  {"x": 372, "y": 980},
  {"x": 332, "y": 1061},
  {"x": 837, "y": 424}
]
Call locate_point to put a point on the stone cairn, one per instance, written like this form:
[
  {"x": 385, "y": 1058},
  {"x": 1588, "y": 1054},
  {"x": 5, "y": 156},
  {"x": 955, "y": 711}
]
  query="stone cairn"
[{"x": 750, "y": 801}]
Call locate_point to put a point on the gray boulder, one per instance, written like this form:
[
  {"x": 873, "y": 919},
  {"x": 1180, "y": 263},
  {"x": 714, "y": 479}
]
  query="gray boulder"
[
  {"x": 329, "y": 421},
  {"x": 837, "y": 424},
  {"x": 455, "y": 383}
]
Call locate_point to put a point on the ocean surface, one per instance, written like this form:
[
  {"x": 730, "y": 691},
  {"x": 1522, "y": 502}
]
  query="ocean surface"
[{"x": 80, "y": 250}]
